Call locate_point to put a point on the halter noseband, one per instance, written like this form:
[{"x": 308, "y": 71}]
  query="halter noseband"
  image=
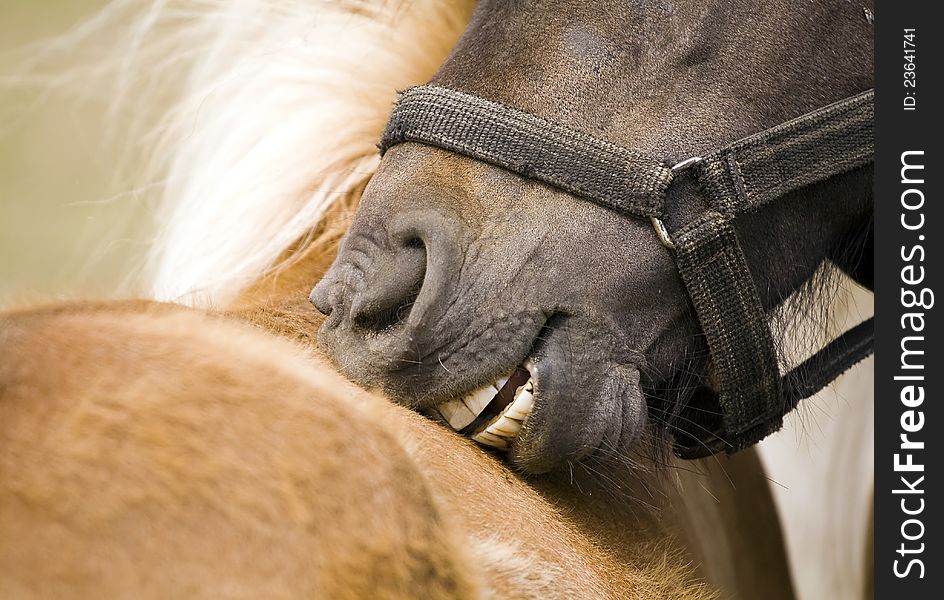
[{"x": 737, "y": 179}]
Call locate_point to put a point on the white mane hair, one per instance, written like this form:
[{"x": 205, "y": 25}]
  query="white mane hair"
[
  {"x": 281, "y": 114},
  {"x": 257, "y": 115}
]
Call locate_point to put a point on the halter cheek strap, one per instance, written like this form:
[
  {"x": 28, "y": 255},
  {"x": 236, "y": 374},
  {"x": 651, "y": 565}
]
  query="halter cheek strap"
[{"x": 737, "y": 179}]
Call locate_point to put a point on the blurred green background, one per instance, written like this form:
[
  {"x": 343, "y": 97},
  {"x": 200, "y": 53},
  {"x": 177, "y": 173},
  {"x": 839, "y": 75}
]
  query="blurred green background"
[{"x": 68, "y": 227}]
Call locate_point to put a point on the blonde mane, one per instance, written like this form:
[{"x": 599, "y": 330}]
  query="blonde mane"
[
  {"x": 256, "y": 116},
  {"x": 280, "y": 116}
]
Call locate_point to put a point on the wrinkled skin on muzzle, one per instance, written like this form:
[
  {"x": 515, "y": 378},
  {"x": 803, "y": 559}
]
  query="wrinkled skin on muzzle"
[
  {"x": 455, "y": 272},
  {"x": 450, "y": 279}
]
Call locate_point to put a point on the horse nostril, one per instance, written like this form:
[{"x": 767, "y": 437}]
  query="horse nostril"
[
  {"x": 392, "y": 290},
  {"x": 379, "y": 317},
  {"x": 414, "y": 242}
]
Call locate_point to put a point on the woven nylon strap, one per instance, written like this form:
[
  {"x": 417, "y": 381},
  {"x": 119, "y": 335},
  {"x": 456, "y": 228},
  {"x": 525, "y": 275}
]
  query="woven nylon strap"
[
  {"x": 575, "y": 162},
  {"x": 737, "y": 179}
]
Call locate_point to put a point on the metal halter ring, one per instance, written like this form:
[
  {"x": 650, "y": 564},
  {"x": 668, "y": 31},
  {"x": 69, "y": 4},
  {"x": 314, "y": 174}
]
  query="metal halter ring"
[
  {"x": 657, "y": 223},
  {"x": 662, "y": 233},
  {"x": 686, "y": 164}
]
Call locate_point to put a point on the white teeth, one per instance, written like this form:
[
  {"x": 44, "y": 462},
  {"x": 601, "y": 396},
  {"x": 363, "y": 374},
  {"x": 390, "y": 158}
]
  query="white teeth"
[
  {"x": 479, "y": 399},
  {"x": 460, "y": 413},
  {"x": 456, "y": 414},
  {"x": 500, "y": 432},
  {"x": 503, "y": 429},
  {"x": 520, "y": 408},
  {"x": 484, "y": 437}
]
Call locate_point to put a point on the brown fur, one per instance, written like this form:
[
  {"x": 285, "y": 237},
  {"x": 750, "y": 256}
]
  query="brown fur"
[{"x": 155, "y": 452}]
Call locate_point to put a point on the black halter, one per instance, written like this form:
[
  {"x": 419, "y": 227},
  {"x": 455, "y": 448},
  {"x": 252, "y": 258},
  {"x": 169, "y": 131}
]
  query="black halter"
[{"x": 739, "y": 178}]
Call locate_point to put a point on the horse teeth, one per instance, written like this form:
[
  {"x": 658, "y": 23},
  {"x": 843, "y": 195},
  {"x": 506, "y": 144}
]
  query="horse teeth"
[
  {"x": 500, "y": 431},
  {"x": 523, "y": 402},
  {"x": 490, "y": 439},
  {"x": 479, "y": 399},
  {"x": 460, "y": 413},
  {"x": 456, "y": 414},
  {"x": 503, "y": 429}
]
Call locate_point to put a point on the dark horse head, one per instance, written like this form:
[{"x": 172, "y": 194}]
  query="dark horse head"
[{"x": 455, "y": 273}]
